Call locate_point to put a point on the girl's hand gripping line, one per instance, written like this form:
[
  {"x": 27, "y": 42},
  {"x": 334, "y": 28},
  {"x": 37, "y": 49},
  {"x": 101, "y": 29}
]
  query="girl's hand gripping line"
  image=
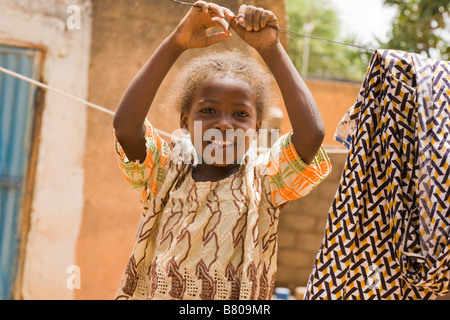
[
  {"x": 191, "y": 32},
  {"x": 256, "y": 26},
  {"x": 259, "y": 29}
]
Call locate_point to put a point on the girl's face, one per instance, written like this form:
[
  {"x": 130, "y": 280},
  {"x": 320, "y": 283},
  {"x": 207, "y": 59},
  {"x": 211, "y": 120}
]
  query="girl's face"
[{"x": 222, "y": 120}]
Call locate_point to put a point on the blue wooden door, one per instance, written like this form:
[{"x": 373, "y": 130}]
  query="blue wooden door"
[{"x": 17, "y": 99}]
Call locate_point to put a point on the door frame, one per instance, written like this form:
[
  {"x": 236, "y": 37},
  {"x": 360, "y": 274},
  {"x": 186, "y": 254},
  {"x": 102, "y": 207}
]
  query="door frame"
[{"x": 23, "y": 224}]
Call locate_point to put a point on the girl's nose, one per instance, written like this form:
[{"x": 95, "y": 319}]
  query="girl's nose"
[{"x": 223, "y": 124}]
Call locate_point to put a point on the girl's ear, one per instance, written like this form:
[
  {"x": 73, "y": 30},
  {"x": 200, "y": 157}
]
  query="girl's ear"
[
  {"x": 183, "y": 121},
  {"x": 258, "y": 126}
]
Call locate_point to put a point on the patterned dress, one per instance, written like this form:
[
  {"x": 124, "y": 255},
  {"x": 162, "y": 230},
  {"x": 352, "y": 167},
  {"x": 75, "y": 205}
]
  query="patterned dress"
[
  {"x": 388, "y": 229},
  {"x": 211, "y": 240}
]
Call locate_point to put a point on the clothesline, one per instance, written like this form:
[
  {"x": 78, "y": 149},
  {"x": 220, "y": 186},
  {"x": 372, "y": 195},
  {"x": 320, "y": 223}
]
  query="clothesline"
[
  {"x": 42, "y": 85},
  {"x": 70, "y": 96},
  {"x": 297, "y": 34},
  {"x": 105, "y": 110},
  {"x": 87, "y": 103}
]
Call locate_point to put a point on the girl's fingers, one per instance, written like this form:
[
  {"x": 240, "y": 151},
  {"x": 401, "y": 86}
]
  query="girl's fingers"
[
  {"x": 265, "y": 17},
  {"x": 252, "y": 18},
  {"x": 203, "y": 5},
  {"x": 236, "y": 26},
  {"x": 219, "y": 22},
  {"x": 215, "y": 9},
  {"x": 248, "y": 17},
  {"x": 215, "y": 38},
  {"x": 257, "y": 13},
  {"x": 218, "y": 10},
  {"x": 228, "y": 13},
  {"x": 241, "y": 15},
  {"x": 219, "y": 36}
]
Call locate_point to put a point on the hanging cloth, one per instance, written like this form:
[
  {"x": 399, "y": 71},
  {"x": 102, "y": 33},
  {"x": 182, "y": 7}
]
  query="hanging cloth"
[{"x": 388, "y": 229}]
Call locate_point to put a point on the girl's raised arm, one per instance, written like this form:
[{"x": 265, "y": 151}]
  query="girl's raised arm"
[
  {"x": 258, "y": 27},
  {"x": 135, "y": 104}
]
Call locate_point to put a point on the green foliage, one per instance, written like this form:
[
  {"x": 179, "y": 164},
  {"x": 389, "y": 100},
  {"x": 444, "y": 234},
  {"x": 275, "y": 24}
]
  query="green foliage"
[
  {"x": 326, "y": 59},
  {"x": 420, "y": 26}
]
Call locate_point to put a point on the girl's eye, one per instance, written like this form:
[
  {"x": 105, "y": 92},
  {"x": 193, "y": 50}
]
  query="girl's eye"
[
  {"x": 207, "y": 111},
  {"x": 242, "y": 114}
]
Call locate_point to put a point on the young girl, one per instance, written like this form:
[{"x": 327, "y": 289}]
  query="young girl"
[{"x": 209, "y": 229}]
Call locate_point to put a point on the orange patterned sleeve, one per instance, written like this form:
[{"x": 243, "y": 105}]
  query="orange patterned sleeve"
[
  {"x": 288, "y": 177},
  {"x": 145, "y": 178}
]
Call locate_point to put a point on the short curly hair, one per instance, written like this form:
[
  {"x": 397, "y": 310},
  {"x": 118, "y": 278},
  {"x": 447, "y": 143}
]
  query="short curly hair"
[{"x": 215, "y": 64}]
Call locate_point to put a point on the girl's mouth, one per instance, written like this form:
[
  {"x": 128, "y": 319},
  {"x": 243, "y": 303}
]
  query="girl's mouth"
[{"x": 219, "y": 144}]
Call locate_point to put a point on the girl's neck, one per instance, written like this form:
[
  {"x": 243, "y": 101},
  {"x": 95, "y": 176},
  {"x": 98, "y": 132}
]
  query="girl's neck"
[{"x": 204, "y": 172}]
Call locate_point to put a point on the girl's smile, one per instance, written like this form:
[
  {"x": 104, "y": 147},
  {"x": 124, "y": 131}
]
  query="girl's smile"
[
  {"x": 222, "y": 144},
  {"x": 223, "y": 116}
]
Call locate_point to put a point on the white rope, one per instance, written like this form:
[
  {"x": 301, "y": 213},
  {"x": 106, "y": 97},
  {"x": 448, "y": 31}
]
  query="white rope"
[
  {"x": 87, "y": 103},
  {"x": 293, "y": 33},
  {"x": 42, "y": 85},
  {"x": 99, "y": 108}
]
